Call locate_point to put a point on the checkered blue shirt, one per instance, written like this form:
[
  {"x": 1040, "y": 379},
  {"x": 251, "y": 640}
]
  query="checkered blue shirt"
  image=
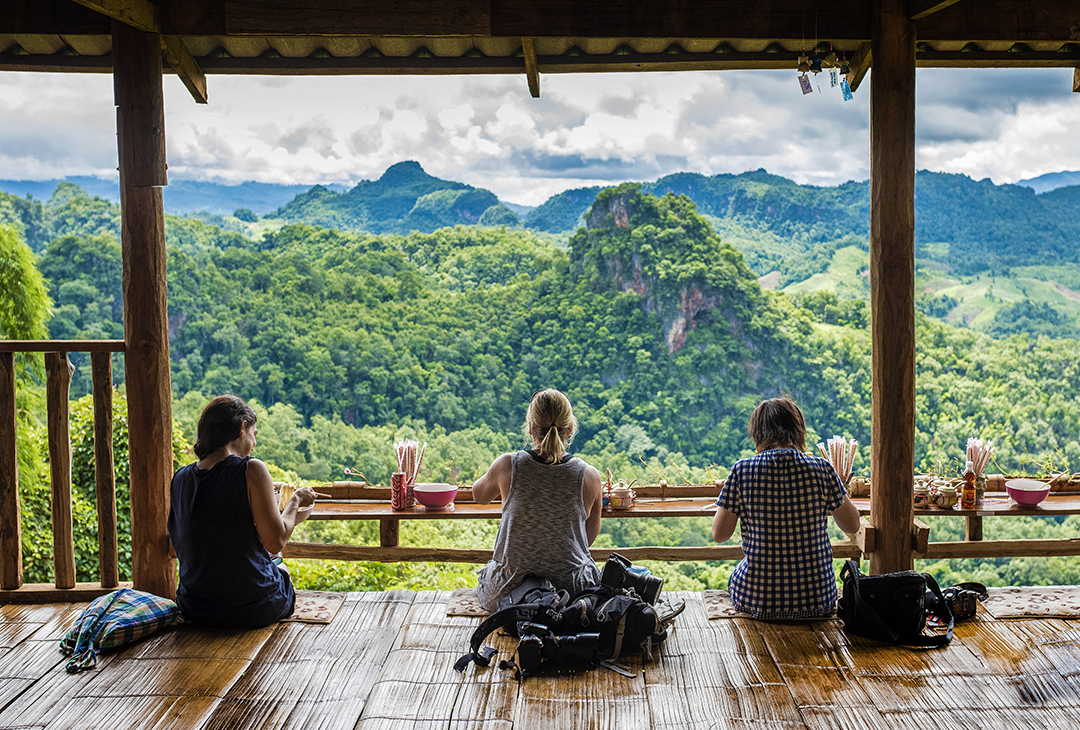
[{"x": 783, "y": 499}]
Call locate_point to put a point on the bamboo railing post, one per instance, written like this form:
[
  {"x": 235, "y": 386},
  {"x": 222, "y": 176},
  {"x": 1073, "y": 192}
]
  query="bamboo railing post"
[
  {"x": 10, "y": 523},
  {"x": 58, "y": 372},
  {"x": 104, "y": 474}
]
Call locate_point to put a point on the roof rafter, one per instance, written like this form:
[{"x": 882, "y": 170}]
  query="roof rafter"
[
  {"x": 532, "y": 72},
  {"x": 1076, "y": 80},
  {"x": 145, "y": 16},
  {"x": 919, "y": 9},
  {"x": 860, "y": 64}
]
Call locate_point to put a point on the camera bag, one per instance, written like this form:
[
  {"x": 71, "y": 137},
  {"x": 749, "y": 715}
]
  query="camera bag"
[
  {"x": 890, "y": 607},
  {"x": 597, "y": 627}
]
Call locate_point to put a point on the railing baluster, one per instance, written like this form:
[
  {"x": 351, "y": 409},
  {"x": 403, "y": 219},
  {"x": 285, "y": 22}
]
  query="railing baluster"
[
  {"x": 104, "y": 476},
  {"x": 57, "y": 389},
  {"x": 11, "y": 568}
]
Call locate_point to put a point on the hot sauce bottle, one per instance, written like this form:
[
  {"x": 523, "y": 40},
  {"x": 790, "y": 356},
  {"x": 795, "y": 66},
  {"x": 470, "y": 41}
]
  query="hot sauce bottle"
[{"x": 968, "y": 494}]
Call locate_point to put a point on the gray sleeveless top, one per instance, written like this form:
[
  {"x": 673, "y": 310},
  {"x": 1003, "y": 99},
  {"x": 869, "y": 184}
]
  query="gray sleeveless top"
[{"x": 542, "y": 531}]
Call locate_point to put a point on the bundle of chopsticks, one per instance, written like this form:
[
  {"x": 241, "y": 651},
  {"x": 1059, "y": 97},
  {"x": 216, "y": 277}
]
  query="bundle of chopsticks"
[
  {"x": 979, "y": 453},
  {"x": 409, "y": 457},
  {"x": 841, "y": 454}
]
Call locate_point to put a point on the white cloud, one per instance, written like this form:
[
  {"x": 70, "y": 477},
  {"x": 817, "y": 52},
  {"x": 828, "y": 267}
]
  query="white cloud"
[{"x": 584, "y": 130}]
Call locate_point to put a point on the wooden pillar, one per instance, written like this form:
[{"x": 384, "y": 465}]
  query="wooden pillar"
[
  {"x": 11, "y": 568},
  {"x": 58, "y": 372},
  {"x": 892, "y": 283},
  {"x": 140, "y": 127},
  {"x": 104, "y": 475}
]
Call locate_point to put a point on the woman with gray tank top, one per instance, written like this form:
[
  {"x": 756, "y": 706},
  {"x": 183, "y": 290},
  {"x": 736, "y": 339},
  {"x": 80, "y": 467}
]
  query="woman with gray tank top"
[{"x": 551, "y": 507}]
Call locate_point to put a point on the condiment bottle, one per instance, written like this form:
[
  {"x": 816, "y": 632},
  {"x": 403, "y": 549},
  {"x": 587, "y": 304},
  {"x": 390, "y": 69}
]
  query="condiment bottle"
[
  {"x": 968, "y": 494},
  {"x": 921, "y": 495}
]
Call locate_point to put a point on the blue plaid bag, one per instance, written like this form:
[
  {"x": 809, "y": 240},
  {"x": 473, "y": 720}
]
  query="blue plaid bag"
[{"x": 113, "y": 620}]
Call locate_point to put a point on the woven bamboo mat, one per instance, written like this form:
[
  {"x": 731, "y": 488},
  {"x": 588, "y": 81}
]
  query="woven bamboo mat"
[
  {"x": 1033, "y": 602},
  {"x": 385, "y": 662},
  {"x": 316, "y": 607},
  {"x": 464, "y": 602}
]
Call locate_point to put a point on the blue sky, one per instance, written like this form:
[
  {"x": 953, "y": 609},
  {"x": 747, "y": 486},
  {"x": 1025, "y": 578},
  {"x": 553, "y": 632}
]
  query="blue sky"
[{"x": 585, "y": 130}]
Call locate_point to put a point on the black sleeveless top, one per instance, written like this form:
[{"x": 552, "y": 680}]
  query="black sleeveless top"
[{"x": 227, "y": 577}]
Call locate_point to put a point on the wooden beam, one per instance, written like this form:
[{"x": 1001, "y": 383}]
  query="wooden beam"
[
  {"x": 140, "y": 14},
  {"x": 58, "y": 372},
  {"x": 865, "y": 538},
  {"x": 1076, "y": 80},
  {"x": 104, "y": 474},
  {"x": 859, "y": 65},
  {"x": 892, "y": 284},
  {"x": 11, "y": 567},
  {"x": 920, "y": 536},
  {"x": 1003, "y": 549},
  {"x": 919, "y": 9},
  {"x": 388, "y": 532},
  {"x": 141, "y": 142},
  {"x": 61, "y": 345},
  {"x": 45, "y": 593},
  {"x": 145, "y": 16},
  {"x": 185, "y": 66},
  {"x": 319, "y": 551},
  {"x": 528, "y": 49}
]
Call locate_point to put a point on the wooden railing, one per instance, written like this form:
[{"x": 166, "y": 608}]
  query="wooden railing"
[
  {"x": 58, "y": 371},
  {"x": 359, "y": 501}
]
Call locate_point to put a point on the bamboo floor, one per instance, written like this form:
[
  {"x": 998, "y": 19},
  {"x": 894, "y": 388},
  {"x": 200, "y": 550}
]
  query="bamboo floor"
[{"x": 385, "y": 663}]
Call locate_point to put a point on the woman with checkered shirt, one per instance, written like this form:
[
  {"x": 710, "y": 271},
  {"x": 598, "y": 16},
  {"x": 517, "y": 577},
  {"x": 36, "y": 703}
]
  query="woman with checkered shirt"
[{"x": 783, "y": 498}]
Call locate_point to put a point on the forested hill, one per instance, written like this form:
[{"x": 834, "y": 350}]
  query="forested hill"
[{"x": 404, "y": 199}]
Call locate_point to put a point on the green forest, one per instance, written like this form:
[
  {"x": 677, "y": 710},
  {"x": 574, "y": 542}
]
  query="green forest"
[{"x": 346, "y": 332}]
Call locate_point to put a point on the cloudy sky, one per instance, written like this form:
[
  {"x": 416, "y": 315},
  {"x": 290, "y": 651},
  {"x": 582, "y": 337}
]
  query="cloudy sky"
[{"x": 585, "y": 130}]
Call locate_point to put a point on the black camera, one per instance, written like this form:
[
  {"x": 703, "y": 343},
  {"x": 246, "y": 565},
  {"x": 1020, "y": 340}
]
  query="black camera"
[
  {"x": 621, "y": 573},
  {"x": 540, "y": 649}
]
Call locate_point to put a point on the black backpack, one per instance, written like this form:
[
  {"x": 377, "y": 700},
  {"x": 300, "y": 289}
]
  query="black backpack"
[{"x": 558, "y": 634}]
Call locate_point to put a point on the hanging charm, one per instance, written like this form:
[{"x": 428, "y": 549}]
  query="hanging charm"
[
  {"x": 845, "y": 88},
  {"x": 815, "y": 64},
  {"x": 833, "y": 78},
  {"x": 804, "y": 82},
  {"x": 804, "y": 64}
]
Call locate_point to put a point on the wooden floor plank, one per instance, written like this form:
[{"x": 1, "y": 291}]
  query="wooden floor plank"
[{"x": 385, "y": 663}]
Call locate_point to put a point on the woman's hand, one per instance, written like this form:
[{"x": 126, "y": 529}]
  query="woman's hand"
[{"x": 304, "y": 499}]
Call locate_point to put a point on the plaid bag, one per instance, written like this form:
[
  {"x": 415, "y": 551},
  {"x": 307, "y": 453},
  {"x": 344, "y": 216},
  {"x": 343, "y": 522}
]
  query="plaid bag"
[{"x": 113, "y": 620}]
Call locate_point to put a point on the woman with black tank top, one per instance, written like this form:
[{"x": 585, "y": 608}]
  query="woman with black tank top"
[
  {"x": 225, "y": 526},
  {"x": 551, "y": 507}
]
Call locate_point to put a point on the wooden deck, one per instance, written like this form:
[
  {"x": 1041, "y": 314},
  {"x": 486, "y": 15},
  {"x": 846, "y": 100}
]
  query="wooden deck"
[{"x": 385, "y": 662}]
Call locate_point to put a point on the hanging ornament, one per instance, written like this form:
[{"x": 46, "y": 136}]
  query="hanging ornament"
[
  {"x": 845, "y": 88},
  {"x": 833, "y": 77},
  {"x": 804, "y": 83},
  {"x": 804, "y": 64},
  {"x": 815, "y": 64}
]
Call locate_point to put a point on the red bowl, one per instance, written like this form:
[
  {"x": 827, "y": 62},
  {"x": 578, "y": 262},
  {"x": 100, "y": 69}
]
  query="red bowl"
[
  {"x": 1027, "y": 492},
  {"x": 435, "y": 496}
]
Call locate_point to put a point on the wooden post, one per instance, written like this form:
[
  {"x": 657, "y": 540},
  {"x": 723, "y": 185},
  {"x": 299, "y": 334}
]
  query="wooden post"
[
  {"x": 973, "y": 528},
  {"x": 58, "y": 372},
  {"x": 104, "y": 476},
  {"x": 892, "y": 283},
  {"x": 10, "y": 523},
  {"x": 140, "y": 126},
  {"x": 388, "y": 532}
]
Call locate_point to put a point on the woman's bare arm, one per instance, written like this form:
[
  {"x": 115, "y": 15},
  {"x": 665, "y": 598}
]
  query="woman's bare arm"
[
  {"x": 495, "y": 482},
  {"x": 592, "y": 496},
  {"x": 847, "y": 516},
  {"x": 723, "y": 524},
  {"x": 274, "y": 527}
]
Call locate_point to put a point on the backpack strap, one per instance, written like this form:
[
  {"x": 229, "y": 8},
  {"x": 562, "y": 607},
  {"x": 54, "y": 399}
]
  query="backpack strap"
[
  {"x": 509, "y": 616},
  {"x": 851, "y": 568}
]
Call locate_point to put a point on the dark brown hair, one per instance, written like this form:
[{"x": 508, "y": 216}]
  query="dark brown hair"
[
  {"x": 221, "y": 422},
  {"x": 778, "y": 423}
]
